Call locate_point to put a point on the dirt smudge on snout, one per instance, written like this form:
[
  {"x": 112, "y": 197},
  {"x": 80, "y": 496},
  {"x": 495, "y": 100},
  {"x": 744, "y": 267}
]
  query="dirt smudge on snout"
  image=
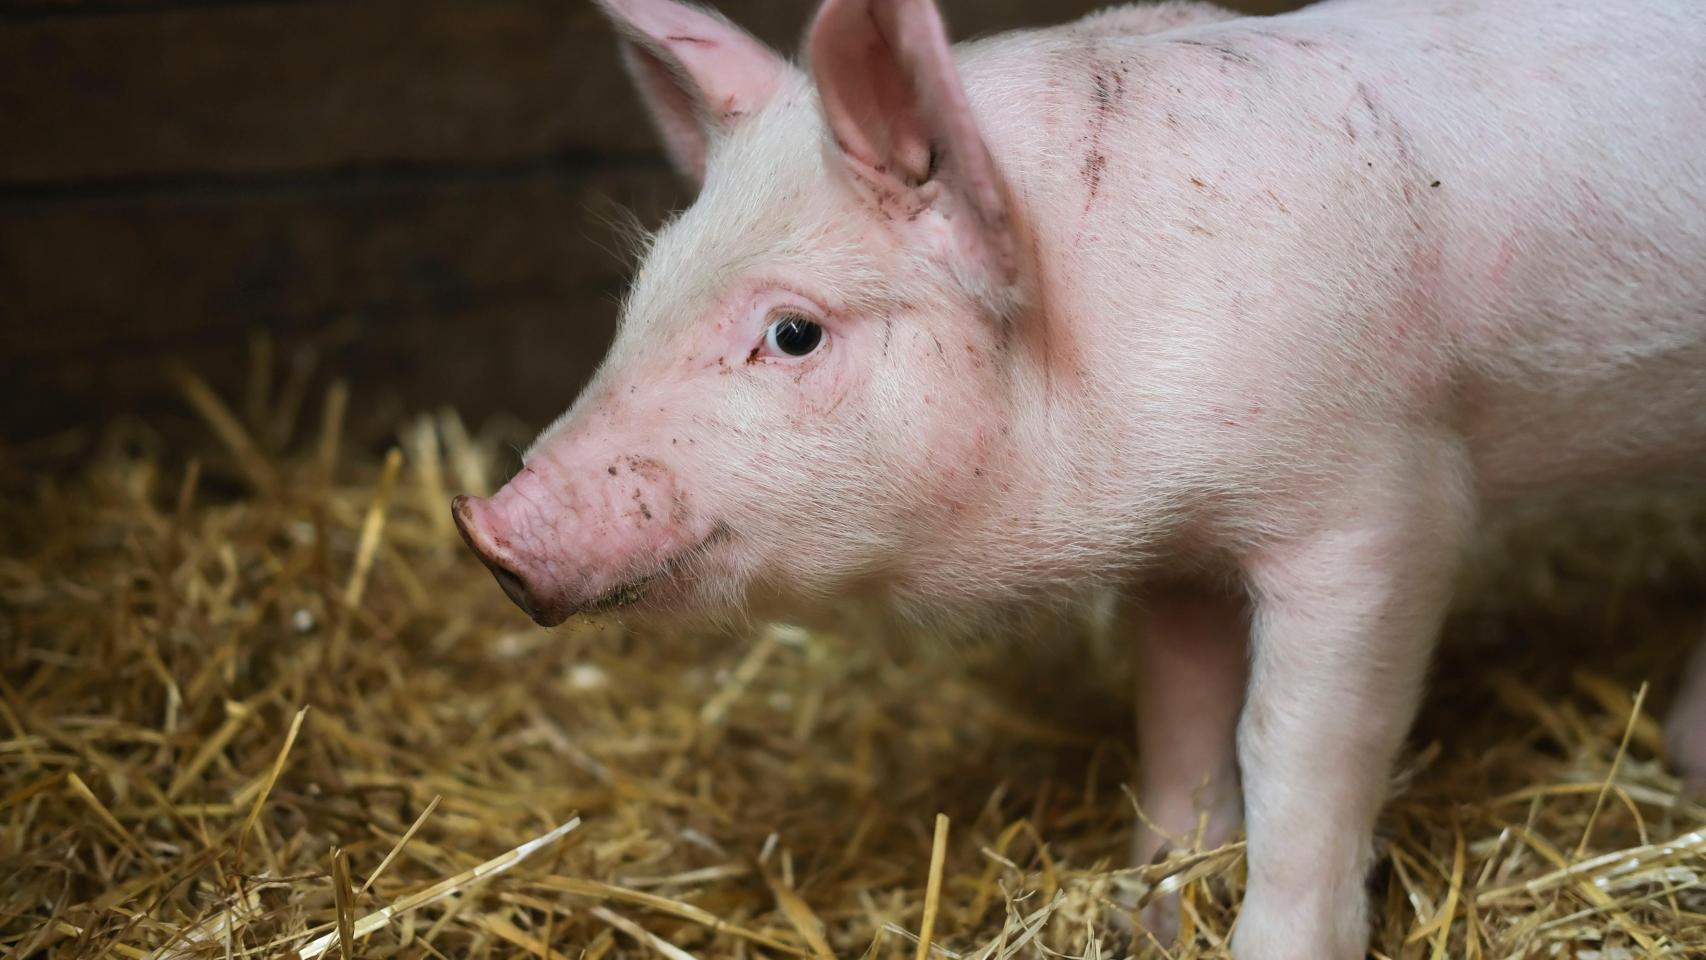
[{"x": 647, "y": 468}]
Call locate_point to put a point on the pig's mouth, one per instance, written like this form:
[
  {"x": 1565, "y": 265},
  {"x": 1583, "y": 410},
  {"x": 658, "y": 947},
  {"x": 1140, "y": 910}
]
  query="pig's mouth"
[{"x": 633, "y": 591}]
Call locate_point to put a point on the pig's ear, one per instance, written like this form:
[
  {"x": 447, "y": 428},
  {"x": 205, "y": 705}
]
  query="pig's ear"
[
  {"x": 902, "y": 125},
  {"x": 697, "y": 73}
]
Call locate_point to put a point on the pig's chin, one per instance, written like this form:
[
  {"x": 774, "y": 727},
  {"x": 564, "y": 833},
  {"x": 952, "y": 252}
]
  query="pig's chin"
[{"x": 665, "y": 588}]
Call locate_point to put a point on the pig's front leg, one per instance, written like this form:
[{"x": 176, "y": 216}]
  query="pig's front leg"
[
  {"x": 1192, "y": 669},
  {"x": 1344, "y": 625}
]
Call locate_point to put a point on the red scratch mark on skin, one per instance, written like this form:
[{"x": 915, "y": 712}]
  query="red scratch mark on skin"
[
  {"x": 696, "y": 41},
  {"x": 1502, "y": 263}
]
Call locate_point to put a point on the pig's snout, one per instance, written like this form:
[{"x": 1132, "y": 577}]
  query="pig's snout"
[
  {"x": 618, "y": 532},
  {"x": 482, "y": 530}
]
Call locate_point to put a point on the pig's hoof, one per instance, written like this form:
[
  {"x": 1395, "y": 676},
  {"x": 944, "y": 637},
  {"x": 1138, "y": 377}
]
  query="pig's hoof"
[
  {"x": 1157, "y": 922},
  {"x": 1160, "y": 919}
]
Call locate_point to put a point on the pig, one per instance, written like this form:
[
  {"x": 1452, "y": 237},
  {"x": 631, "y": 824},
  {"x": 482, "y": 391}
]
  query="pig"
[{"x": 1251, "y": 321}]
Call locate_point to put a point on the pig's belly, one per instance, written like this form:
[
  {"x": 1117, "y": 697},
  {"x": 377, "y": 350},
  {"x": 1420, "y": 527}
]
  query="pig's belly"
[{"x": 1539, "y": 432}]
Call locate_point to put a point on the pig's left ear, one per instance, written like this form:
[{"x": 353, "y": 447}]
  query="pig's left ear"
[
  {"x": 903, "y": 128},
  {"x": 698, "y": 74}
]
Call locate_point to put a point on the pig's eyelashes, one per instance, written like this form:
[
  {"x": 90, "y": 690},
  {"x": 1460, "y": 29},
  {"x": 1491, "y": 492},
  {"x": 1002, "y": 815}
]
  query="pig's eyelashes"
[{"x": 793, "y": 335}]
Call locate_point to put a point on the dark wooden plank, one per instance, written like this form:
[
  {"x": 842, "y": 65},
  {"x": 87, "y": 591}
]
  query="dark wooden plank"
[
  {"x": 295, "y": 87},
  {"x": 495, "y": 293},
  {"x": 270, "y": 87}
]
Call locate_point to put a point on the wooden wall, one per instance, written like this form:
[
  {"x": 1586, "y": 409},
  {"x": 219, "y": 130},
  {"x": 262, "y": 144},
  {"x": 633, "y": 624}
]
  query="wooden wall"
[{"x": 421, "y": 189}]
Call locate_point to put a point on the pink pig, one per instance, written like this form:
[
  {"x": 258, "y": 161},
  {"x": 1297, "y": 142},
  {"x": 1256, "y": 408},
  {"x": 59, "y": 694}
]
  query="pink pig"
[{"x": 1249, "y": 319}]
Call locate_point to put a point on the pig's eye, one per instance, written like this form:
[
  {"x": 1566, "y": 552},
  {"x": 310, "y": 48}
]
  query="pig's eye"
[{"x": 793, "y": 335}]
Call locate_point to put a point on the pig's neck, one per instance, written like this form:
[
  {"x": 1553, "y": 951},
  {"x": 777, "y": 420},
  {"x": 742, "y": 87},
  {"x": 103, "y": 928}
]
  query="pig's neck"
[
  {"x": 1091, "y": 485},
  {"x": 1062, "y": 511}
]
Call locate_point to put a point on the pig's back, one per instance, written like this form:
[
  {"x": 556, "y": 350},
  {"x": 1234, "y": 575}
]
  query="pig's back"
[
  {"x": 1491, "y": 214},
  {"x": 1572, "y": 252}
]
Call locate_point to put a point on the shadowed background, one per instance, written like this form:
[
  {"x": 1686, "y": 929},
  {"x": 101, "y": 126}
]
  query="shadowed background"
[{"x": 416, "y": 191}]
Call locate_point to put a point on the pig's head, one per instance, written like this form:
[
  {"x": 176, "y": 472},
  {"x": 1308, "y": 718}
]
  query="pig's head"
[{"x": 807, "y": 394}]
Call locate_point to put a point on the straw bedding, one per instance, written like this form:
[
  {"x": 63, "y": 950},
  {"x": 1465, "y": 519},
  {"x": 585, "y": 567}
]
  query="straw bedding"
[{"x": 256, "y": 701}]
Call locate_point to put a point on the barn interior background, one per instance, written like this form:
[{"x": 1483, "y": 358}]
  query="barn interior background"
[{"x": 247, "y": 248}]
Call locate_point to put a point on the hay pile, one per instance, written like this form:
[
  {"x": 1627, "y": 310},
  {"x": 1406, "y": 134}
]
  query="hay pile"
[{"x": 264, "y": 704}]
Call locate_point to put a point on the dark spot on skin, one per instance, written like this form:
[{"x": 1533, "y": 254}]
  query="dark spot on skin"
[
  {"x": 1094, "y": 164},
  {"x": 753, "y": 356},
  {"x": 1198, "y": 184},
  {"x": 977, "y": 471},
  {"x": 1385, "y": 128},
  {"x": 1228, "y": 53},
  {"x": 1104, "y": 93},
  {"x": 1367, "y": 98},
  {"x": 938, "y": 343},
  {"x": 1434, "y": 184},
  {"x": 611, "y": 471},
  {"x": 633, "y": 389},
  {"x": 1200, "y": 230}
]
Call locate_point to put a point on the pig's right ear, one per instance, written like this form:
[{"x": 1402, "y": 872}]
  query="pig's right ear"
[
  {"x": 698, "y": 74},
  {"x": 903, "y": 128}
]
